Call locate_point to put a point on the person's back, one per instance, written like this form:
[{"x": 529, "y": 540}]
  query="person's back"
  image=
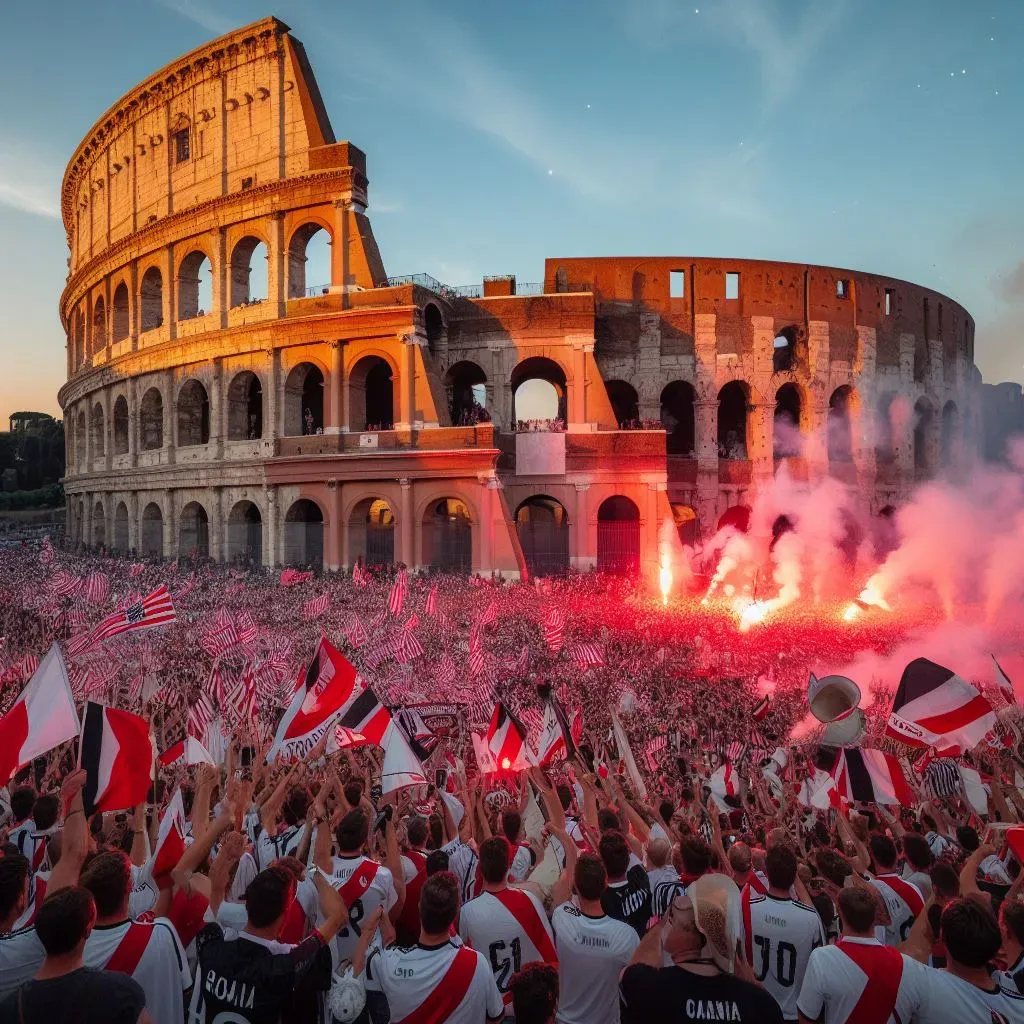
[
  {"x": 628, "y": 894},
  {"x": 903, "y": 900}
]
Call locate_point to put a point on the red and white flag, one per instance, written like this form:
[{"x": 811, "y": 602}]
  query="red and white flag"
[
  {"x": 871, "y": 776},
  {"x": 200, "y": 714},
  {"x": 355, "y": 632},
  {"x": 360, "y": 577},
  {"x": 293, "y": 578},
  {"x": 934, "y": 707},
  {"x": 97, "y": 588},
  {"x": 401, "y": 768},
  {"x": 137, "y": 569},
  {"x": 724, "y": 781},
  {"x": 1003, "y": 682},
  {"x": 506, "y": 741},
  {"x": 586, "y": 655},
  {"x": 364, "y": 714},
  {"x": 323, "y": 688},
  {"x": 40, "y": 719},
  {"x": 761, "y": 708},
  {"x": 490, "y": 614},
  {"x": 343, "y": 738},
  {"x": 170, "y": 843},
  {"x": 63, "y": 584},
  {"x": 554, "y": 629},
  {"x": 188, "y": 750},
  {"x": 476, "y": 651},
  {"x": 153, "y": 610},
  {"x": 315, "y": 607},
  {"x": 431, "y": 606},
  {"x": 116, "y": 751},
  {"x": 446, "y": 673},
  {"x": 398, "y": 591},
  {"x": 248, "y": 632},
  {"x": 219, "y": 638}
]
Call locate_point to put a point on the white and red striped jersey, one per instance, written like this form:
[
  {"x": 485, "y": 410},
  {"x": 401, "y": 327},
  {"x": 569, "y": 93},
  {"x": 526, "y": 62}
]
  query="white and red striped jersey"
[
  {"x": 364, "y": 886},
  {"x": 450, "y": 983},
  {"x": 779, "y": 936},
  {"x": 152, "y": 954},
  {"x": 511, "y": 929},
  {"x": 36, "y": 894},
  {"x": 944, "y": 997},
  {"x": 904, "y": 902}
]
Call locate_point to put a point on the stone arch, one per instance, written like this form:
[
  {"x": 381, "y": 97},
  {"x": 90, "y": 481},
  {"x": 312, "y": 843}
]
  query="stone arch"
[
  {"x": 618, "y": 535},
  {"x": 194, "y": 531},
  {"x": 121, "y": 528},
  {"x": 304, "y": 393},
  {"x": 624, "y": 400},
  {"x": 309, "y": 249},
  {"x": 784, "y": 351},
  {"x": 250, "y": 271},
  {"x": 245, "y": 534},
  {"x": 245, "y": 407},
  {"x": 151, "y": 421},
  {"x": 433, "y": 326},
  {"x": 99, "y": 526},
  {"x": 786, "y": 435},
  {"x": 371, "y": 532},
  {"x": 195, "y": 285},
  {"x": 120, "y": 425},
  {"x": 193, "y": 414},
  {"x": 924, "y": 414},
  {"x": 950, "y": 433},
  {"x": 96, "y": 429},
  {"x": 733, "y": 402},
  {"x": 304, "y": 534},
  {"x": 542, "y": 525},
  {"x": 81, "y": 452},
  {"x": 466, "y": 387},
  {"x": 447, "y": 536},
  {"x": 678, "y": 417},
  {"x": 687, "y": 524},
  {"x": 372, "y": 394},
  {"x": 121, "y": 327},
  {"x": 99, "y": 326},
  {"x": 842, "y": 410},
  {"x": 544, "y": 401},
  {"x": 151, "y": 300},
  {"x": 152, "y": 531}
]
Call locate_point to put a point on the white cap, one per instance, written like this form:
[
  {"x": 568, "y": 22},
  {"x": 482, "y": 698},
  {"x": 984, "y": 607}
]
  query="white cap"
[{"x": 347, "y": 998}]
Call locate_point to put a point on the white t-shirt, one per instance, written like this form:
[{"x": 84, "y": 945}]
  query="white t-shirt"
[
  {"x": 904, "y": 902},
  {"x": 938, "y": 844},
  {"x": 21, "y": 953},
  {"x": 162, "y": 971},
  {"x": 408, "y": 975},
  {"x": 656, "y": 876},
  {"x": 500, "y": 926},
  {"x": 944, "y": 998},
  {"x": 284, "y": 844},
  {"x": 462, "y": 860},
  {"x": 783, "y": 934},
  {"x": 245, "y": 872},
  {"x": 380, "y": 891},
  {"x": 592, "y": 951},
  {"x": 1012, "y": 978}
]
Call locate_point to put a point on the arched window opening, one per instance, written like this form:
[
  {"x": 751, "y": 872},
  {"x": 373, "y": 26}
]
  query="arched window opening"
[
  {"x": 783, "y": 356},
  {"x": 195, "y": 286},
  {"x": 98, "y": 433},
  {"x": 122, "y": 320},
  {"x": 625, "y": 402},
  {"x": 151, "y": 421},
  {"x": 152, "y": 531},
  {"x": 542, "y": 525},
  {"x": 99, "y": 526},
  {"x": 245, "y": 407},
  {"x": 193, "y": 414},
  {"x": 786, "y": 438},
  {"x": 885, "y": 429},
  {"x": 151, "y": 300},
  {"x": 447, "y": 537},
  {"x": 99, "y": 326},
  {"x": 304, "y": 535},
  {"x": 194, "y": 532},
  {"x": 538, "y": 394},
  {"x": 687, "y": 525},
  {"x": 80, "y": 442},
  {"x": 309, "y": 262},
  {"x": 120, "y": 426},
  {"x": 245, "y": 534},
  {"x": 618, "y": 536},
  {"x": 950, "y": 430},
  {"x": 923, "y": 417},
  {"x": 250, "y": 269},
  {"x": 371, "y": 395},
  {"x": 732, "y": 421},
  {"x": 304, "y": 401},
  {"x": 841, "y": 407},
  {"x": 121, "y": 528},
  {"x": 677, "y": 417},
  {"x": 371, "y": 533},
  {"x": 466, "y": 385},
  {"x": 433, "y": 324}
]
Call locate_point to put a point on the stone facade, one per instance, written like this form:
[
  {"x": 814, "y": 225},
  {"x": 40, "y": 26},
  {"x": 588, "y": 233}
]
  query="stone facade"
[{"x": 334, "y": 424}]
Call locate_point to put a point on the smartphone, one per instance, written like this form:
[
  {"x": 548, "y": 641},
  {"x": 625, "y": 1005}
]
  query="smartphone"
[
  {"x": 248, "y": 753},
  {"x": 382, "y": 819}
]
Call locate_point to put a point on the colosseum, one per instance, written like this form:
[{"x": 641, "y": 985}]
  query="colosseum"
[{"x": 220, "y": 403}]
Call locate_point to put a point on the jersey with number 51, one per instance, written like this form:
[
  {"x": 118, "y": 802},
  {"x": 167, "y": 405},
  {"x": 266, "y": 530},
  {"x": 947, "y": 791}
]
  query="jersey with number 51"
[
  {"x": 779, "y": 936},
  {"x": 363, "y": 900}
]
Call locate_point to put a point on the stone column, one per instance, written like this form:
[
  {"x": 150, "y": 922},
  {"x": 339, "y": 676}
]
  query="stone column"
[
  {"x": 337, "y": 420},
  {"x": 218, "y": 527},
  {"x": 272, "y": 420},
  {"x": 705, "y": 415},
  {"x": 759, "y": 442},
  {"x": 133, "y": 423},
  {"x": 405, "y": 525},
  {"x": 816, "y": 442},
  {"x": 134, "y": 542},
  {"x": 584, "y": 540},
  {"x": 763, "y": 328},
  {"x": 339, "y": 251},
  {"x": 221, "y": 279},
  {"x": 134, "y": 311},
  {"x": 87, "y": 526},
  {"x": 218, "y": 410},
  {"x": 276, "y": 285},
  {"x": 170, "y": 295},
  {"x": 576, "y": 411},
  {"x": 406, "y": 383},
  {"x": 89, "y": 453},
  {"x": 818, "y": 350},
  {"x": 170, "y": 526},
  {"x": 270, "y": 543},
  {"x": 108, "y": 432},
  {"x": 333, "y": 554},
  {"x": 170, "y": 416}
]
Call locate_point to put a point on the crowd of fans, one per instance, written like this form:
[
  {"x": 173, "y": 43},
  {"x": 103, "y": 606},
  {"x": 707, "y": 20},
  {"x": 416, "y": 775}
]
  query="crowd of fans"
[{"x": 584, "y": 892}]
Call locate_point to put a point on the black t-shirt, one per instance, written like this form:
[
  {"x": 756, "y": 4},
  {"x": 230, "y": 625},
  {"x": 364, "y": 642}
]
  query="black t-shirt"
[
  {"x": 85, "y": 996},
  {"x": 672, "y": 995},
  {"x": 630, "y": 901},
  {"x": 252, "y": 983}
]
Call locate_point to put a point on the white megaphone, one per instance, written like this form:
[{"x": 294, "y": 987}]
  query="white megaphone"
[{"x": 834, "y": 701}]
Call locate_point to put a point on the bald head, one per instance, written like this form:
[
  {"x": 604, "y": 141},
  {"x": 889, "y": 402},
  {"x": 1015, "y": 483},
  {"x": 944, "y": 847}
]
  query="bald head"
[{"x": 658, "y": 852}]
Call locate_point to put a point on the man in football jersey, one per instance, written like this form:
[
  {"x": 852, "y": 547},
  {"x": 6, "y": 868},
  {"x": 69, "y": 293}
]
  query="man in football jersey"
[
  {"x": 414, "y": 870},
  {"x": 507, "y": 925},
  {"x": 22, "y": 826},
  {"x": 438, "y": 978},
  {"x": 287, "y": 808},
  {"x": 592, "y": 946},
  {"x": 742, "y": 867},
  {"x": 1011, "y": 924},
  {"x": 780, "y": 933},
  {"x": 902, "y": 899},
  {"x": 628, "y": 893},
  {"x": 150, "y": 952}
]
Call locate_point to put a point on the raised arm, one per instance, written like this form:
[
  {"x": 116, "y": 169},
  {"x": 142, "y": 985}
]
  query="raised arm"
[{"x": 75, "y": 840}]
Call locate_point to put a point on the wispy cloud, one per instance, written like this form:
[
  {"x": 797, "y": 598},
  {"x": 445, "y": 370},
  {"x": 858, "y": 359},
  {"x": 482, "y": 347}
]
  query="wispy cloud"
[
  {"x": 201, "y": 15},
  {"x": 28, "y": 182}
]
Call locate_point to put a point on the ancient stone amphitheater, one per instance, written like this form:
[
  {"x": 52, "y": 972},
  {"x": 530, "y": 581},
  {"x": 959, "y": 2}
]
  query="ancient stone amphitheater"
[{"x": 221, "y": 403}]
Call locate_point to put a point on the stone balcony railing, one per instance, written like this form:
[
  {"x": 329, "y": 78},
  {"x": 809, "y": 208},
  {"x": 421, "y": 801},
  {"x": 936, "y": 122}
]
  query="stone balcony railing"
[{"x": 369, "y": 442}]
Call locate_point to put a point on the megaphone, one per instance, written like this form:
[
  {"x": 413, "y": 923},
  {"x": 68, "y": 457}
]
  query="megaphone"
[{"x": 832, "y": 697}]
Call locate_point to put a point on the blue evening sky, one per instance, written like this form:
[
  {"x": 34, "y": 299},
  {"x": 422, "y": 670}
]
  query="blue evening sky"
[{"x": 883, "y": 135}]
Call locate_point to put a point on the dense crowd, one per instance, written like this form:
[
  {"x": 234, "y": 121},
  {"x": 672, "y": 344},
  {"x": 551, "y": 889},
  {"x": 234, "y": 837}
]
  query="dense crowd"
[{"x": 597, "y": 888}]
